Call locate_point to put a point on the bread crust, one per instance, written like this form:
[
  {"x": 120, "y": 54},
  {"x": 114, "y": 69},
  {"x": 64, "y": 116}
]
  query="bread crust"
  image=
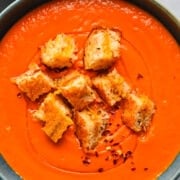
[
  {"x": 111, "y": 87},
  {"x": 76, "y": 88},
  {"x": 56, "y": 115},
  {"x": 137, "y": 112},
  {"x": 102, "y": 48},
  {"x": 90, "y": 124},
  {"x": 34, "y": 82},
  {"x": 59, "y": 52}
]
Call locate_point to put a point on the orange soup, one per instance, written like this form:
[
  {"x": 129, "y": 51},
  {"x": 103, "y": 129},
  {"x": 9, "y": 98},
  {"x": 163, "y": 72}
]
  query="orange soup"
[{"x": 149, "y": 62}]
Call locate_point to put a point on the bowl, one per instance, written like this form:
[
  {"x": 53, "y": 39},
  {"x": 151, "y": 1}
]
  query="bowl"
[{"x": 11, "y": 11}]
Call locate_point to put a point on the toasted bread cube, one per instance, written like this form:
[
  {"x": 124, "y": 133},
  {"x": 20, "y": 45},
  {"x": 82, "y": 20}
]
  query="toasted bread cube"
[
  {"x": 102, "y": 48},
  {"x": 111, "y": 87},
  {"x": 60, "y": 52},
  {"x": 33, "y": 83},
  {"x": 76, "y": 88},
  {"x": 90, "y": 124},
  {"x": 137, "y": 112},
  {"x": 56, "y": 115}
]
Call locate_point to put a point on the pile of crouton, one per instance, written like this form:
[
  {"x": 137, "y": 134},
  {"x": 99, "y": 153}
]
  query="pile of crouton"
[{"x": 75, "y": 98}]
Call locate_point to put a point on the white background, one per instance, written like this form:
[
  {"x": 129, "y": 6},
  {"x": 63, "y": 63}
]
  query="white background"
[{"x": 172, "y": 5}]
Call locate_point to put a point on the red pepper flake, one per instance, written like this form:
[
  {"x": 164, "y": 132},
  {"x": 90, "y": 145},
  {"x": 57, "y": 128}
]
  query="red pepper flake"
[
  {"x": 96, "y": 154},
  {"x": 115, "y": 161},
  {"x": 111, "y": 140},
  {"x": 110, "y": 124},
  {"x": 113, "y": 151},
  {"x": 100, "y": 170},
  {"x": 115, "y": 144},
  {"x": 86, "y": 161},
  {"x": 107, "y": 158},
  {"x": 115, "y": 154},
  {"x": 19, "y": 95},
  {"x": 127, "y": 155},
  {"x": 145, "y": 169},
  {"x": 124, "y": 159},
  {"x": 117, "y": 125},
  {"x": 106, "y": 132},
  {"x": 133, "y": 169},
  {"x": 139, "y": 76},
  {"x": 106, "y": 141}
]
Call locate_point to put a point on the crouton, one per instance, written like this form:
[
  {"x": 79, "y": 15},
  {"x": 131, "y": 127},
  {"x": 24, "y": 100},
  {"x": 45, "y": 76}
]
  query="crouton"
[
  {"x": 56, "y": 115},
  {"x": 137, "y": 112},
  {"x": 90, "y": 124},
  {"x": 102, "y": 49},
  {"x": 76, "y": 88},
  {"x": 60, "y": 52},
  {"x": 111, "y": 87},
  {"x": 33, "y": 82}
]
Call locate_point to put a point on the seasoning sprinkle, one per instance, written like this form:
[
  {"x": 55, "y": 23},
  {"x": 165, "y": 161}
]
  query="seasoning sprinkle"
[
  {"x": 106, "y": 132},
  {"x": 115, "y": 144},
  {"x": 19, "y": 95},
  {"x": 127, "y": 155},
  {"x": 139, "y": 76},
  {"x": 133, "y": 169},
  {"x": 96, "y": 154},
  {"x": 100, "y": 170},
  {"x": 86, "y": 161},
  {"x": 115, "y": 161}
]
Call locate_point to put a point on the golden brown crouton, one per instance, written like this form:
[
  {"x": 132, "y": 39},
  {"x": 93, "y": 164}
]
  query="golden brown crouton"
[
  {"x": 102, "y": 48},
  {"x": 90, "y": 124},
  {"x": 60, "y": 52},
  {"x": 76, "y": 88},
  {"x": 111, "y": 87},
  {"x": 56, "y": 115},
  {"x": 137, "y": 112},
  {"x": 34, "y": 82}
]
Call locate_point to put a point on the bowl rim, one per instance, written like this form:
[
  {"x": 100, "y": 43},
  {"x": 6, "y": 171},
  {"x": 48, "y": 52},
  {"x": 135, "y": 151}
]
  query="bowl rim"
[
  {"x": 8, "y": 16},
  {"x": 163, "y": 15}
]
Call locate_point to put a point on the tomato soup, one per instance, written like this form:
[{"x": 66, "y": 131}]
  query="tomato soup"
[{"x": 149, "y": 62}]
